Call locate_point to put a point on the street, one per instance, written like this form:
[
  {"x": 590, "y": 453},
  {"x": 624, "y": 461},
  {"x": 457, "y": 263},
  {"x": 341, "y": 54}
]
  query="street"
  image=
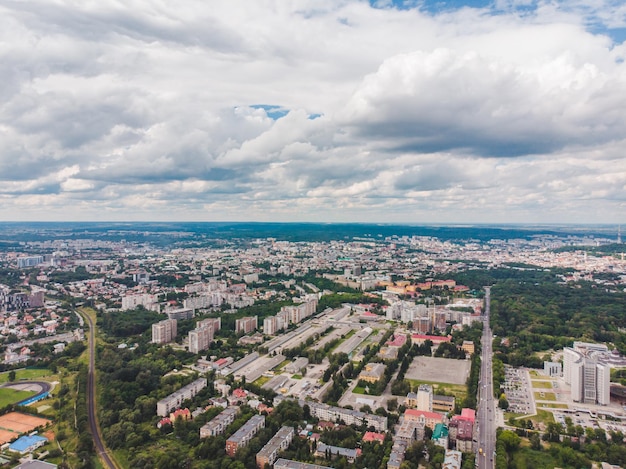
[{"x": 486, "y": 413}]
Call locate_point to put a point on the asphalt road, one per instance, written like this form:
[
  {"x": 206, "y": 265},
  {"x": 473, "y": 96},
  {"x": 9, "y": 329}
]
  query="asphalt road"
[
  {"x": 486, "y": 415},
  {"x": 106, "y": 459}
]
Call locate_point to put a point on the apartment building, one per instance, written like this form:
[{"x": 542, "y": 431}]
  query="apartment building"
[
  {"x": 334, "y": 414},
  {"x": 174, "y": 400},
  {"x": 290, "y": 464},
  {"x": 246, "y": 325},
  {"x": 200, "y": 338},
  {"x": 218, "y": 424},
  {"x": 242, "y": 437},
  {"x": 164, "y": 331},
  {"x": 279, "y": 442}
]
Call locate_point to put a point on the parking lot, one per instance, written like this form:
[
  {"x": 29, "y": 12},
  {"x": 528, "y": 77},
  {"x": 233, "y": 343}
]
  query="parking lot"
[{"x": 518, "y": 390}]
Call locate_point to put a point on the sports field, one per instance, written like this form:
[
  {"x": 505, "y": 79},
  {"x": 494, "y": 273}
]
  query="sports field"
[
  {"x": 11, "y": 396},
  {"x": 21, "y": 423}
]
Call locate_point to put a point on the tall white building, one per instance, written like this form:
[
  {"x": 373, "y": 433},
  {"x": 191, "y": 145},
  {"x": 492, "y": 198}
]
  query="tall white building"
[
  {"x": 425, "y": 397},
  {"x": 200, "y": 338},
  {"x": 603, "y": 384},
  {"x": 164, "y": 331},
  {"x": 590, "y": 381}
]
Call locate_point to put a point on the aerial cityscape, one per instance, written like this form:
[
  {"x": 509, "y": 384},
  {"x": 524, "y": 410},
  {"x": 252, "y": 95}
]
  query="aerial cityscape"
[
  {"x": 205, "y": 345},
  {"x": 310, "y": 234}
]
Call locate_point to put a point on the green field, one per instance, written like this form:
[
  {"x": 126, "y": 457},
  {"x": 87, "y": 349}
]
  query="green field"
[
  {"x": 542, "y": 384},
  {"x": 545, "y": 396},
  {"x": 25, "y": 373},
  {"x": 262, "y": 380},
  {"x": 553, "y": 406},
  {"x": 459, "y": 391},
  {"x": 10, "y": 396}
]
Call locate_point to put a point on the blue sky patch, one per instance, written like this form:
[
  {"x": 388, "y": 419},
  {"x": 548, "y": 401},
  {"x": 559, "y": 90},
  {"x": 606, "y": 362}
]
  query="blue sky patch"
[{"x": 273, "y": 111}]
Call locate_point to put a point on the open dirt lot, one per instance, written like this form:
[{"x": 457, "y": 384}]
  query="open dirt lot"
[
  {"x": 439, "y": 370},
  {"x": 7, "y": 436},
  {"x": 21, "y": 423}
]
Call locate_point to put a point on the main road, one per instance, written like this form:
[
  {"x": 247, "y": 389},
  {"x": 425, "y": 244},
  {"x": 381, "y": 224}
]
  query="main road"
[
  {"x": 92, "y": 416},
  {"x": 486, "y": 415}
]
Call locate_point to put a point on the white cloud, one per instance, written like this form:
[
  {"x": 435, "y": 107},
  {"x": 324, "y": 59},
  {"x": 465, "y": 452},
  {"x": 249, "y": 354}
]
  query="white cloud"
[{"x": 144, "y": 110}]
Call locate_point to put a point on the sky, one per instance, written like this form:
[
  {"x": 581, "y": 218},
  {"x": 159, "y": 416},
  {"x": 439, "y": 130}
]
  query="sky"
[{"x": 507, "y": 111}]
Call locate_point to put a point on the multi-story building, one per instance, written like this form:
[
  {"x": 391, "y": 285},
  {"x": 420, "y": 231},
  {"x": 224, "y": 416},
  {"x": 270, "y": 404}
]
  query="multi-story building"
[
  {"x": 289, "y": 464},
  {"x": 246, "y": 325},
  {"x": 324, "y": 450},
  {"x": 174, "y": 400},
  {"x": 181, "y": 313},
  {"x": 372, "y": 372},
  {"x": 335, "y": 414},
  {"x": 429, "y": 419},
  {"x": 200, "y": 338},
  {"x": 29, "y": 261},
  {"x": 461, "y": 434},
  {"x": 215, "y": 323},
  {"x": 279, "y": 442},
  {"x": 146, "y": 300},
  {"x": 589, "y": 379},
  {"x": 164, "y": 331},
  {"x": 425, "y": 397},
  {"x": 443, "y": 403},
  {"x": 218, "y": 424},
  {"x": 397, "y": 454},
  {"x": 409, "y": 431},
  {"x": 242, "y": 437},
  {"x": 270, "y": 325}
]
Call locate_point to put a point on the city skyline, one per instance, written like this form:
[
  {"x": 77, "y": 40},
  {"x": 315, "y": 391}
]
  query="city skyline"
[{"x": 315, "y": 111}]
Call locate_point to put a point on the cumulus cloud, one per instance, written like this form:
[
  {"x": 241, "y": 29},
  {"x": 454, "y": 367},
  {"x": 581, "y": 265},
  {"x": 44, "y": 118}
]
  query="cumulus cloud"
[{"x": 144, "y": 110}]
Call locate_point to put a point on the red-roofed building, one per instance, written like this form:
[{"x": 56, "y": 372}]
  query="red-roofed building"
[
  {"x": 468, "y": 414},
  {"x": 164, "y": 421},
  {"x": 373, "y": 436},
  {"x": 428, "y": 419},
  {"x": 435, "y": 339},
  {"x": 265, "y": 408},
  {"x": 240, "y": 393},
  {"x": 221, "y": 363},
  {"x": 185, "y": 414},
  {"x": 461, "y": 434},
  {"x": 398, "y": 340}
]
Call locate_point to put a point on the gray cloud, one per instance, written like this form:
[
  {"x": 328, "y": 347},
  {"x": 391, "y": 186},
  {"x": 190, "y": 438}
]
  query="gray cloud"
[{"x": 145, "y": 111}]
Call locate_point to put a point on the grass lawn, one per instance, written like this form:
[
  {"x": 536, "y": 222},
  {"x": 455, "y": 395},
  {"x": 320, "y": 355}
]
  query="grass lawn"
[
  {"x": 297, "y": 376},
  {"x": 554, "y": 406},
  {"x": 11, "y": 396},
  {"x": 542, "y": 384},
  {"x": 282, "y": 365},
  {"x": 262, "y": 380},
  {"x": 545, "y": 396},
  {"x": 26, "y": 373},
  {"x": 543, "y": 416},
  {"x": 459, "y": 391}
]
